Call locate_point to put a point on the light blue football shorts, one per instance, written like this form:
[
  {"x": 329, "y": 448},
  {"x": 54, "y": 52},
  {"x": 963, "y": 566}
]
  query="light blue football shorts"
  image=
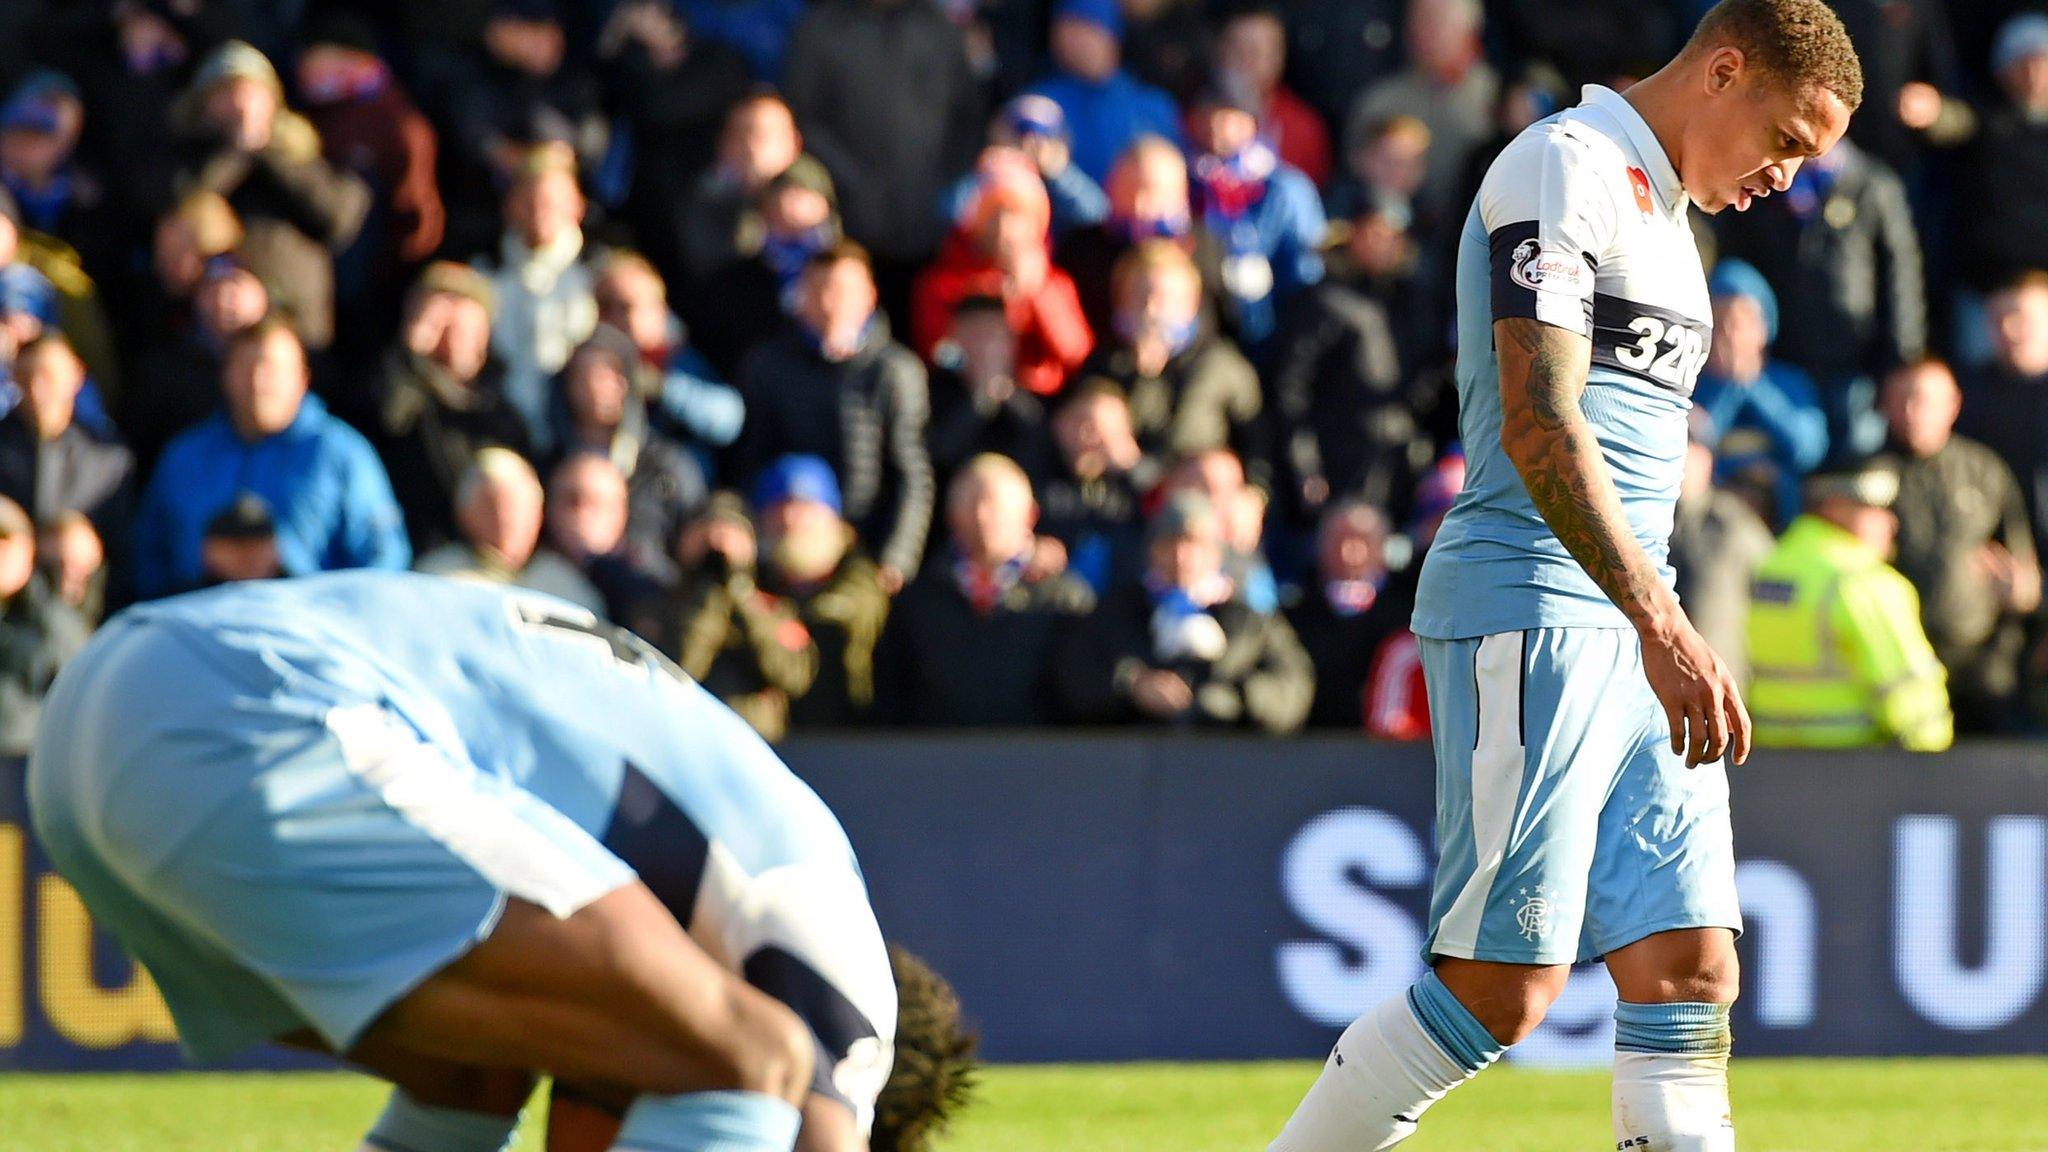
[
  {"x": 280, "y": 851},
  {"x": 1566, "y": 826}
]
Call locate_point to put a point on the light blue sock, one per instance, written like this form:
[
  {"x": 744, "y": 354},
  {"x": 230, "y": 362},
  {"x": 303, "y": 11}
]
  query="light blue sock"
[
  {"x": 410, "y": 1126},
  {"x": 710, "y": 1122},
  {"x": 1451, "y": 1024},
  {"x": 1673, "y": 1028}
]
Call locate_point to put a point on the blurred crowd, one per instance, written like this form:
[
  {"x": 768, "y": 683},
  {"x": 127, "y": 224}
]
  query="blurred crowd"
[{"x": 947, "y": 362}]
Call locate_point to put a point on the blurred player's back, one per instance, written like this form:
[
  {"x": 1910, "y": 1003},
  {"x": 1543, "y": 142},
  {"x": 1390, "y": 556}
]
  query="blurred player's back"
[{"x": 520, "y": 685}]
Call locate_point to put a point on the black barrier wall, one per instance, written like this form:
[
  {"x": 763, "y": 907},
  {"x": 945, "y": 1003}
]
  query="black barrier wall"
[{"x": 1125, "y": 898}]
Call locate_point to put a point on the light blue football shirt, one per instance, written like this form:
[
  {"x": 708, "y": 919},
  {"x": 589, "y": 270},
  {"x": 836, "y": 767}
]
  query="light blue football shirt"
[{"x": 1580, "y": 223}]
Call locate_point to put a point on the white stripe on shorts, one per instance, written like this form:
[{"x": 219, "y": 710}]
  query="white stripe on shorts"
[
  {"x": 480, "y": 825},
  {"x": 1497, "y": 766}
]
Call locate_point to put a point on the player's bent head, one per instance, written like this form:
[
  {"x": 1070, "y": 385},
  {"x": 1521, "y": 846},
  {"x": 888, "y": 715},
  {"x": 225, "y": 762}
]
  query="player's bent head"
[
  {"x": 1771, "y": 84},
  {"x": 935, "y": 1068}
]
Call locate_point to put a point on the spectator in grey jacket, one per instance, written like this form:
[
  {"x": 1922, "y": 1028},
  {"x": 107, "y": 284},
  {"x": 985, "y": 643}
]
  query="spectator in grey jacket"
[
  {"x": 1180, "y": 648},
  {"x": 601, "y": 407},
  {"x": 887, "y": 101},
  {"x": 1840, "y": 249},
  {"x": 833, "y": 384},
  {"x": 38, "y": 632}
]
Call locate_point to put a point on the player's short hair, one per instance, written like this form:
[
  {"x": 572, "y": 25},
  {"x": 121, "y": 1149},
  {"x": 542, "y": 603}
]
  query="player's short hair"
[
  {"x": 935, "y": 1071},
  {"x": 1798, "y": 42}
]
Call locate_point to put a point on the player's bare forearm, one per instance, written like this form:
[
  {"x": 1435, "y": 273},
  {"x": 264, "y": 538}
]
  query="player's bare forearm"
[{"x": 1542, "y": 375}]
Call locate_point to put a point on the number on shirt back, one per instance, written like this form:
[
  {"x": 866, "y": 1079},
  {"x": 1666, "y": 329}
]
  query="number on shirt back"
[{"x": 1684, "y": 350}]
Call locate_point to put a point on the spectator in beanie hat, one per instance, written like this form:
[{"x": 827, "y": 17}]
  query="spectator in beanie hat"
[
  {"x": 810, "y": 558},
  {"x": 745, "y": 645},
  {"x": 1179, "y": 648},
  {"x": 1036, "y": 126}
]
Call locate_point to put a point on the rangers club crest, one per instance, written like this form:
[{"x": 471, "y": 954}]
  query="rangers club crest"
[{"x": 1533, "y": 913}]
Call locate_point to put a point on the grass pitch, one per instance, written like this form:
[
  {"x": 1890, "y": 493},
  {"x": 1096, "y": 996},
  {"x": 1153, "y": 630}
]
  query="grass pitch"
[{"x": 1780, "y": 1106}]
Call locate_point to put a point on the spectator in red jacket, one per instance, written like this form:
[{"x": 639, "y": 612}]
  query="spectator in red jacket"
[
  {"x": 1251, "y": 55},
  {"x": 999, "y": 247}
]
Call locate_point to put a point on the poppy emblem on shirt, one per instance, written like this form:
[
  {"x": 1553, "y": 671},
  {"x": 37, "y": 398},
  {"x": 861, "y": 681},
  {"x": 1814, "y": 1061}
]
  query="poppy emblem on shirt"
[{"x": 1639, "y": 183}]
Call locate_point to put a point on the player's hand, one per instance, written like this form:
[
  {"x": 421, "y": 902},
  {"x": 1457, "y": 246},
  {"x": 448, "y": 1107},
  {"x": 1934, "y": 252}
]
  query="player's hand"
[{"x": 1700, "y": 698}]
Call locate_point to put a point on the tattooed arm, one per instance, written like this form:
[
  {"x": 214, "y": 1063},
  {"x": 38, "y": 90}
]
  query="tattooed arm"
[{"x": 1542, "y": 374}]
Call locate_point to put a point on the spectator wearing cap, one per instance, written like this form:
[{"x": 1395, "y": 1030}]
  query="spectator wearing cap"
[
  {"x": 178, "y": 383},
  {"x": 1764, "y": 418},
  {"x": 1346, "y": 615},
  {"x": 40, "y": 124},
  {"x": 811, "y": 560},
  {"x": 1188, "y": 387},
  {"x": 758, "y": 142},
  {"x": 52, "y": 464},
  {"x": 1838, "y": 657},
  {"x": 543, "y": 278},
  {"x": 39, "y": 633},
  {"x": 1265, "y": 215},
  {"x": 441, "y": 398},
  {"x": 1840, "y": 248},
  {"x": 1717, "y": 543},
  {"x": 973, "y": 641},
  {"x": 1107, "y": 109},
  {"x": 1251, "y": 58},
  {"x": 1036, "y": 127},
  {"x": 240, "y": 544},
  {"x": 520, "y": 85},
  {"x": 796, "y": 216},
  {"x": 833, "y": 384},
  {"x": 329, "y": 494},
  {"x": 1148, "y": 200},
  {"x": 977, "y": 406},
  {"x": 1179, "y": 648},
  {"x": 1965, "y": 543},
  {"x": 890, "y": 107},
  {"x": 239, "y": 140},
  {"x": 369, "y": 126},
  {"x": 690, "y": 402},
  {"x": 745, "y": 645},
  {"x": 585, "y": 522},
  {"x": 671, "y": 88},
  {"x": 1000, "y": 248},
  {"x": 1092, "y": 502},
  {"x": 1447, "y": 84},
  {"x": 498, "y": 515},
  {"x": 601, "y": 407},
  {"x": 2000, "y": 216}
]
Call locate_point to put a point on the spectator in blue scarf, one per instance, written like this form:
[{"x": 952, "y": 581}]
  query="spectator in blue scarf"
[
  {"x": 1266, "y": 216},
  {"x": 1766, "y": 416}
]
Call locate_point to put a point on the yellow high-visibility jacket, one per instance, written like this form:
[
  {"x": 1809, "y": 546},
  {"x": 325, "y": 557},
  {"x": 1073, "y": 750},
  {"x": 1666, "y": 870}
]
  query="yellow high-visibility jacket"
[{"x": 1838, "y": 658}]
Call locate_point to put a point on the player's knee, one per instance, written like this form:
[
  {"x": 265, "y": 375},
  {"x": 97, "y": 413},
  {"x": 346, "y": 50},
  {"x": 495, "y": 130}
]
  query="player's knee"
[
  {"x": 1715, "y": 979},
  {"x": 1511, "y": 1015}
]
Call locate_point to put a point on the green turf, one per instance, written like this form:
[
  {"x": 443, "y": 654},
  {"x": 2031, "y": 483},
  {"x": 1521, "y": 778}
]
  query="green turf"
[{"x": 1781, "y": 1106}]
